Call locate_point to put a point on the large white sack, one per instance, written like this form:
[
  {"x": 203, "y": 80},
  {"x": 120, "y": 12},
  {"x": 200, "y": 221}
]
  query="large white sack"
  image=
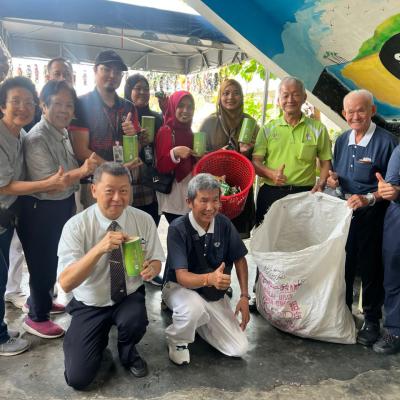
[{"x": 300, "y": 253}]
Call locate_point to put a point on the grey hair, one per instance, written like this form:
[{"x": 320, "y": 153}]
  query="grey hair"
[
  {"x": 361, "y": 92},
  {"x": 201, "y": 182},
  {"x": 112, "y": 168},
  {"x": 291, "y": 79}
]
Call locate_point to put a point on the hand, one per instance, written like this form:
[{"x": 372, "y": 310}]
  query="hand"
[
  {"x": 127, "y": 126},
  {"x": 279, "y": 178},
  {"x": 245, "y": 147},
  {"x": 89, "y": 165},
  {"x": 137, "y": 162},
  {"x": 182, "y": 152},
  {"x": 357, "y": 201},
  {"x": 243, "y": 307},
  {"x": 162, "y": 103},
  {"x": 333, "y": 180},
  {"x": 111, "y": 241},
  {"x": 218, "y": 279},
  {"x": 58, "y": 182},
  {"x": 319, "y": 186},
  {"x": 386, "y": 190},
  {"x": 150, "y": 270}
]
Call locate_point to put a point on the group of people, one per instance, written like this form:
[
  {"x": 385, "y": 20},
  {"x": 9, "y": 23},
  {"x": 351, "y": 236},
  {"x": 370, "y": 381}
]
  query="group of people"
[{"x": 71, "y": 148}]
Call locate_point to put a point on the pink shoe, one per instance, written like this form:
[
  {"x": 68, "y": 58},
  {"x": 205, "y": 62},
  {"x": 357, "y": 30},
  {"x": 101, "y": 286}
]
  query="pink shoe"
[
  {"x": 56, "y": 308},
  {"x": 44, "y": 329}
]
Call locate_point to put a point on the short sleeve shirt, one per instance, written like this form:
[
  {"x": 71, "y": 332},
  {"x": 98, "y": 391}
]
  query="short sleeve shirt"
[
  {"x": 45, "y": 150},
  {"x": 102, "y": 122},
  {"x": 356, "y": 164},
  {"x": 297, "y": 147},
  {"x": 11, "y": 161},
  {"x": 85, "y": 230},
  {"x": 223, "y": 245}
]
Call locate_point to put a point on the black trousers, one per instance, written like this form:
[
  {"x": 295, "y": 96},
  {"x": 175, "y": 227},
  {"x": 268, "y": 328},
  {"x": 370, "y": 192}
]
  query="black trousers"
[
  {"x": 267, "y": 195},
  {"x": 364, "y": 255},
  {"x": 87, "y": 336},
  {"x": 40, "y": 226}
]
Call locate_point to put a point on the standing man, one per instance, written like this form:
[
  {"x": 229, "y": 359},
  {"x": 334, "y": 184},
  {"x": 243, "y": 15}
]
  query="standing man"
[
  {"x": 60, "y": 69},
  {"x": 90, "y": 265},
  {"x": 202, "y": 248},
  {"x": 103, "y": 117},
  {"x": 359, "y": 154},
  {"x": 287, "y": 150}
]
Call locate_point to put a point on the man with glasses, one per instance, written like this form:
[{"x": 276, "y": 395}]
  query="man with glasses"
[
  {"x": 60, "y": 69},
  {"x": 103, "y": 117}
]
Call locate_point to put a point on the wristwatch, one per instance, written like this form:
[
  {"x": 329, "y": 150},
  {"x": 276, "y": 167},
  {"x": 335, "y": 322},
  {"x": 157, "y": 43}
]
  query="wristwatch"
[
  {"x": 245, "y": 295},
  {"x": 371, "y": 199}
]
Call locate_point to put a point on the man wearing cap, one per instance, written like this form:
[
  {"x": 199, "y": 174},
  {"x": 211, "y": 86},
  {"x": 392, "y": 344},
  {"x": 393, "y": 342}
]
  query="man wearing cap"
[
  {"x": 103, "y": 117},
  {"x": 359, "y": 154}
]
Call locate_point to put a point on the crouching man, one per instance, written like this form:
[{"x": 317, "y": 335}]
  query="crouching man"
[
  {"x": 90, "y": 265},
  {"x": 202, "y": 248}
]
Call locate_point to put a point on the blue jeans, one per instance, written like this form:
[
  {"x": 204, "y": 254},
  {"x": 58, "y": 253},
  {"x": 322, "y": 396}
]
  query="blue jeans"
[{"x": 5, "y": 242}]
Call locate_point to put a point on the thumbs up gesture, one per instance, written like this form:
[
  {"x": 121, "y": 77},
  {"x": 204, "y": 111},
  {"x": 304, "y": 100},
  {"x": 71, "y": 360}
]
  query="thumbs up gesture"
[
  {"x": 89, "y": 165},
  {"x": 218, "y": 279},
  {"x": 127, "y": 125},
  {"x": 279, "y": 178},
  {"x": 333, "y": 180},
  {"x": 386, "y": 190}
]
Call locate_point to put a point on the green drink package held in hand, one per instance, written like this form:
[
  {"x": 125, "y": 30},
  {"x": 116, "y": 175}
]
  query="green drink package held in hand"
[
  {"x": 133, "y": 256},
  {"x": 199, "y": 143},
  {"x": 247, "y": 130},
  {"x": 131, "y": 147},
  {"x": 148, "y": 123}
]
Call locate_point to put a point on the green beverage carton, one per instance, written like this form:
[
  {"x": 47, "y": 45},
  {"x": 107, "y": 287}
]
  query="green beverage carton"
[
  {"x": 148, "y": 123},
  {"x": 247, "y": 130},
  {"x": 133, "y": 256},
  {"x": 199, "y": 143},
  {"x": 131, "y": 147}
]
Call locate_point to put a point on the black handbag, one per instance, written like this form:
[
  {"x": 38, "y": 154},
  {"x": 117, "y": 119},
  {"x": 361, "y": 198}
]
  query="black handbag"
[
  {"x": 160, "y": 182},
  {"x": 150, "y": 176}
]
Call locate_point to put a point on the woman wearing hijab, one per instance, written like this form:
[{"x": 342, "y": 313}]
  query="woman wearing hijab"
[
  {"x": 174, "y": 143},
  {"x": 222, "y": 132},
  {"x": 18, "y": 99},
  {"x": 137, "y": 90}
]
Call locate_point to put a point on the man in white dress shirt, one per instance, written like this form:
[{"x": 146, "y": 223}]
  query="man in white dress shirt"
[{"x": 86, "y": 267}]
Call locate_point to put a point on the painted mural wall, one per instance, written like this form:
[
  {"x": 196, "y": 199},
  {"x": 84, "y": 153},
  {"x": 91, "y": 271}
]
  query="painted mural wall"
[{"x": 333, "y": 45}]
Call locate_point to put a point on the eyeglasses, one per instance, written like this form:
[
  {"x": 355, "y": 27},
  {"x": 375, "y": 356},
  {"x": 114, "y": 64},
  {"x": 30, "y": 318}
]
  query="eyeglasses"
[
  {"x": 19, "y": 103},
  {"x": 141, "y": 89}
]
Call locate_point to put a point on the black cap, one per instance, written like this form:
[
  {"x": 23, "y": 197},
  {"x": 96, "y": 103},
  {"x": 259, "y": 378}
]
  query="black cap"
[{"x": 110, "y": 57}]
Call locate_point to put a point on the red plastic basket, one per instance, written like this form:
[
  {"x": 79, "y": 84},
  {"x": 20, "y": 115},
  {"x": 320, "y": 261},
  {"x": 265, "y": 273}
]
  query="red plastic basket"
[{"x": 239, "y": 171}]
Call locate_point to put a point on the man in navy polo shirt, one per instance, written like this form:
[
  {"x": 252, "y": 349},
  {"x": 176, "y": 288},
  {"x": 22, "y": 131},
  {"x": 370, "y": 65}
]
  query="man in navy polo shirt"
[
  {"x": 103, "y": 117},
  {"x": 359, "y": 154},
  {"x": 202, "y": 248}
]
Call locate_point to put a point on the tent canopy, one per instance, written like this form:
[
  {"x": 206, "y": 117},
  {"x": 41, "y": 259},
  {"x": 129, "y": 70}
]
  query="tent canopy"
[{"x": 146, "y": 38}]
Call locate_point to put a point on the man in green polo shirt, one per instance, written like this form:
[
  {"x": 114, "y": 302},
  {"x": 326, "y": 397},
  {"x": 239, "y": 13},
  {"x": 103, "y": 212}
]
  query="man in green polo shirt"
[
  {"x": 286, "y": 152},
  {"x": 287, "y": 149}
]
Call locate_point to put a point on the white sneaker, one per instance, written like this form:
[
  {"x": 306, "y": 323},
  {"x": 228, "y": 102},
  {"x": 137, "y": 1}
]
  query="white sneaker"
[
  {"x": 179, "y": 353},
  {"x": 18, "y": 299}
]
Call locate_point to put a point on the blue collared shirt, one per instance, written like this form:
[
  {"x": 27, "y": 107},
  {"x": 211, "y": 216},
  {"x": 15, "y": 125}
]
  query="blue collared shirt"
[{"x": 356, "y": 164}]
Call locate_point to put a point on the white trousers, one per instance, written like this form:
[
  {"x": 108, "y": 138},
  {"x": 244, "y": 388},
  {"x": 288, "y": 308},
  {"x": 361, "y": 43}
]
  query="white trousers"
[
  {"x": 15, "y": 269},
  {"x": 214, "y": 321}
]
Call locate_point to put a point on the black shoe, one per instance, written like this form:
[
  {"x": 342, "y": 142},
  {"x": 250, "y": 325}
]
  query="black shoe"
[
  {"x": 229, "y": 292},
  {"x": 139, "y": 367},
  {"x": 253, "y": 305},
  {"x": 369, "y": 333},
  {"x": 387, "y": 344}
]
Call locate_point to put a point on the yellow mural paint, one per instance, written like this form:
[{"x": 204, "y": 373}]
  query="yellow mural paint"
[{"x": 369, "y": 73}]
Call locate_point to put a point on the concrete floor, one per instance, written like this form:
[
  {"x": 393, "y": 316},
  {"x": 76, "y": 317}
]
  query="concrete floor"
[{"x": 277, "y": 366}]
